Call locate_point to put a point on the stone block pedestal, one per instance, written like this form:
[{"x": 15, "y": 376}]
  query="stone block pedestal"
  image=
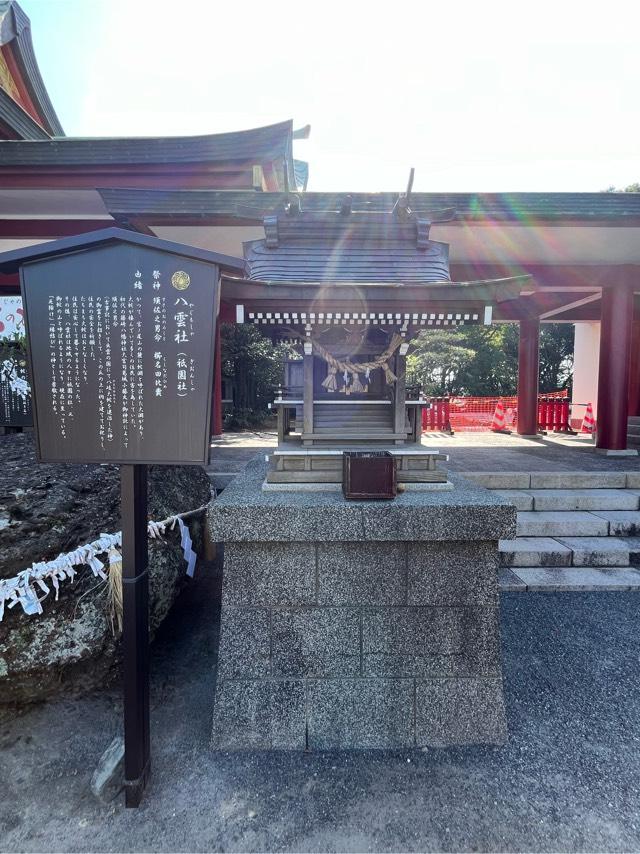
[{"x": 352, "y": 625}]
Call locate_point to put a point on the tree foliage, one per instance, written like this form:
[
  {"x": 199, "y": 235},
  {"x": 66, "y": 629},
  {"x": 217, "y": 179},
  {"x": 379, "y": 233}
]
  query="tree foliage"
[
  {"x": 256, "y": 368},
  {"x": 631, "y": 188},
  {"x": 483, "y": 360}
]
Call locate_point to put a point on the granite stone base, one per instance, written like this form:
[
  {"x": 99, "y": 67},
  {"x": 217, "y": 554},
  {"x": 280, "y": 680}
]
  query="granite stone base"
[{"x": 362, "y": 637}]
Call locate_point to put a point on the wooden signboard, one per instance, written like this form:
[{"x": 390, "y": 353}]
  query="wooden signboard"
[
  {"x": 120, "y": 334},
  {"x": 121, "y": 347}
]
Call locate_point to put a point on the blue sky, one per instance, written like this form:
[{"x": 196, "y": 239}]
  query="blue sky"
[{"x": 484, "y": 95}]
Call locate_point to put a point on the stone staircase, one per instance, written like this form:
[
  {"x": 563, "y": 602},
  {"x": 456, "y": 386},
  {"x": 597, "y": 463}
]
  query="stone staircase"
[
  {"x": 576, "y": 530},
  {"x": 633, "y": 432}
]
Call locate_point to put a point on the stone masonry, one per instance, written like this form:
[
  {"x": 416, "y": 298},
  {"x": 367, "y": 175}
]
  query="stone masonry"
[{"x": 354, "y": 625}]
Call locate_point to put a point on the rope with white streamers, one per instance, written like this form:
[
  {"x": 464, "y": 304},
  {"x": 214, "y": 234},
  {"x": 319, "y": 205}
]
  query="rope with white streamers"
[
  {"x": 23, "y": 588},
  {"x": 347, "y": 367}
]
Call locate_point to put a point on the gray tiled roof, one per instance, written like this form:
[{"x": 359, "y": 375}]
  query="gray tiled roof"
[
  {"x": 512, "y": 207},
  {"x": 355, "y": 248},
  {"x": 269, "y": 143},
  {"x": 16, "y": 28}
]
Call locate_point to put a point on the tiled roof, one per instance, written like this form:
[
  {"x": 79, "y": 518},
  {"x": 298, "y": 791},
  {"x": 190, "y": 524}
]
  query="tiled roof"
[
  {"x": 511, "y": 207},
  {"x": 352, "y": 248},
  {"x": 15, "y": 28},
  {"x": 270, "y": 143}
]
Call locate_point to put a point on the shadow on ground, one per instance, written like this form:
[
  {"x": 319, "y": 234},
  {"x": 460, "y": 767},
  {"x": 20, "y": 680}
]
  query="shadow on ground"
[{"x": 567, "y": 780}]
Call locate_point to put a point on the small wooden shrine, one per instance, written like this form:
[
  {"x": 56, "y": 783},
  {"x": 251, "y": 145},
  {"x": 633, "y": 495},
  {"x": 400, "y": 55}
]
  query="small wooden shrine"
[{"x": 351, "y": 289}]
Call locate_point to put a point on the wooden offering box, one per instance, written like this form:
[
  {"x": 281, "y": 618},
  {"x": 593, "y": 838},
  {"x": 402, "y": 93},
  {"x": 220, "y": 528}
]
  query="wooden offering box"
[{"x": 368, "y": 474}]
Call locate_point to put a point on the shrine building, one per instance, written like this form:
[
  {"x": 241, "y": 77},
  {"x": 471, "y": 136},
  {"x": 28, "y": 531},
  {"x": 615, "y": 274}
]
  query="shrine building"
[{"x": 526, "y": 258}]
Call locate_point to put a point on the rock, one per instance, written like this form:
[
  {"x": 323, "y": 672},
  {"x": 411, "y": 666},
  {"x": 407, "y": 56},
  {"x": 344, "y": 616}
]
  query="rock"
[
  {"x": 48, "y": 509},
  {"x": 107, "y": 780}
]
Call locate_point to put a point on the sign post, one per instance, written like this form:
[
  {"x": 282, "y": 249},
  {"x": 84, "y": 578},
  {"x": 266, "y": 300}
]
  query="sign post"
[
  {"x": 135, "y": 631},
  {"x": 120, "y": 332}
]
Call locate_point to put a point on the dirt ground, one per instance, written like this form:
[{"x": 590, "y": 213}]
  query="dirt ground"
[{"x": 566, "y": 781}]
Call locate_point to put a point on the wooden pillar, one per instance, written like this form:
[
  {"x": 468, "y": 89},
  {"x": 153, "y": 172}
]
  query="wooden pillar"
[
  {"x": 307, "y": 383},
  {"x": 400, "y": 397},
  {"x": 634, "y": 370},
  {"x": 613, "y": 372},
  {"x": 216, "y": 398},
  {"x": 528, "y": 364}
]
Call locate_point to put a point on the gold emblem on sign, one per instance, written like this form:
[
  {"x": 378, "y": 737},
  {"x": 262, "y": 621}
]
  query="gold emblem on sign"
[{"x": 181, "y": 280}]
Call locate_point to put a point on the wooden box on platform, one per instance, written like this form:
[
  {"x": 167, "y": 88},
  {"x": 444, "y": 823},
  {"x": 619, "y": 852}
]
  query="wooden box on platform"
[
  {"x": 291, "y": 464},
  {"x": 368, "y": 474}
]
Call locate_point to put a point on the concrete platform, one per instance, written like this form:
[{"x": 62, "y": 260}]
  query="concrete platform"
[{"x": 357, "y": 624}]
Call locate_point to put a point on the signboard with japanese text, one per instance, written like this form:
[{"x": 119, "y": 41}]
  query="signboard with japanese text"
[{"x": 121, "y": 347}]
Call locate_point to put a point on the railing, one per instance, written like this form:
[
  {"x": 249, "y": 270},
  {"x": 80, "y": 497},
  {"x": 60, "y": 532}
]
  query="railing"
[{"x": 438, "y": 415}]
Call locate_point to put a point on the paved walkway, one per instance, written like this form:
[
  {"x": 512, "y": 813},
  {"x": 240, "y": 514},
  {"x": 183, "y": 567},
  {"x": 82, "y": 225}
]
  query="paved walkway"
[
  {"x": 467, "y": 452},
  {"x": 567, "y": 780}
]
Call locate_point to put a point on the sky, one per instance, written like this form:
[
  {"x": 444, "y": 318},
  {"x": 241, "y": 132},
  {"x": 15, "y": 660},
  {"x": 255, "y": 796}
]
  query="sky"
[{"x": 477, "y": 96}]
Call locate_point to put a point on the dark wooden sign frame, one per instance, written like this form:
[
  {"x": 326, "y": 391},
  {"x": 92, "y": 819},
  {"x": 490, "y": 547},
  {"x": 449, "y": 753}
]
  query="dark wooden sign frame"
[{"x": 133, "y": 472}]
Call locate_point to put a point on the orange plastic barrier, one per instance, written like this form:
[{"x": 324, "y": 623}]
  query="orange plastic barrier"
[{"x": 475, "y": 414}]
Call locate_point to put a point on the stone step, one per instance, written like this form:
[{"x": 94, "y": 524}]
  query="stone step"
[
  {"x": 597, "y": 551},
  {"x": 522, "y": 498},
  {"x": 622, "y": 523},
  {"x": 556, "y": 479},
  {"x": 561, "y": 523},
  {"x": 554, "y": 579},
  {"x": 533, "y": 551},
  {"x": 568, "y": 551},
  {"x": 584, "y": 499}
]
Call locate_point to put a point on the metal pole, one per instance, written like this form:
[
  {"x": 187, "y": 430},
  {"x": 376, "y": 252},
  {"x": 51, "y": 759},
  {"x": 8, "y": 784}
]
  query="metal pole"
[{"x": 135, "y": 633}]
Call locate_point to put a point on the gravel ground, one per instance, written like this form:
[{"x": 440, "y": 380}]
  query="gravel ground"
[{"x": 569, "y": 779}]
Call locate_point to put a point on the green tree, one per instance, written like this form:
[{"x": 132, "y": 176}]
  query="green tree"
[
  {"x": 483, "y": 360},
  {"x": 631, "y": 188},
  {"x": 256, "y": 368}
]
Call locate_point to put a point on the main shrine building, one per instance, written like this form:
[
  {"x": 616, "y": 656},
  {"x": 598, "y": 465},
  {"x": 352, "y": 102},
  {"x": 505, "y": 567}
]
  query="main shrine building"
[{"x": 575, "y": 255}]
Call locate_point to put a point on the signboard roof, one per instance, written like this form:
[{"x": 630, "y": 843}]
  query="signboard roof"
[{"x": 10, "y": 262}]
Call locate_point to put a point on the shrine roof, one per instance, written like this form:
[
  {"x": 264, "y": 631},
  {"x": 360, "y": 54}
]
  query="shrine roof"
[
  {"x": 12, "y": 115},
  {"x": 518, "y": 208},
  {"x": 15, "y": 31},
  {"x": 257, "y": 145}
]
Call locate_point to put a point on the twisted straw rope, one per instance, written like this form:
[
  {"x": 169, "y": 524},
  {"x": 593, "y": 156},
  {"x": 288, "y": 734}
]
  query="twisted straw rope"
[{"x": 361, "y": 367}]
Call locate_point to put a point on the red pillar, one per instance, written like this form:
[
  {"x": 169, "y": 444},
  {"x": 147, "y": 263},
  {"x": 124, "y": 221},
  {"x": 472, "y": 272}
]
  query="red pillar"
[
  {"x": 216, "y": 399},
  {"x": 528, "y": 363},
  {"x": 634, "y": 370},
  {"x": 613, "y": 373}
]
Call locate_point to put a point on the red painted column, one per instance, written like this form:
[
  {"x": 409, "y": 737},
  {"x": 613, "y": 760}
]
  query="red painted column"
[
  {"x": 216, "y": 399},
  {"x": 634, "y": 370},
  {"x": 528, "y": 363},
  {"x": 613, "y": 373}
]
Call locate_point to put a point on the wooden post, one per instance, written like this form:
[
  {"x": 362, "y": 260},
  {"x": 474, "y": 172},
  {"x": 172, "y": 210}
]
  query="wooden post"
[
  {"x": 528, "y": 365},
  {"x": 307, "y": 382},
  {"x": 400, "y": 398},
  {"x": 135, "y": 631},
  {"x": 613, "y": 371},
  {"x": 216, "y": 414}
]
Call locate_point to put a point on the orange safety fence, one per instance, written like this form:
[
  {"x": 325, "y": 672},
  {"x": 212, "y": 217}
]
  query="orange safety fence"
[{"x": 469, "y": 414}]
